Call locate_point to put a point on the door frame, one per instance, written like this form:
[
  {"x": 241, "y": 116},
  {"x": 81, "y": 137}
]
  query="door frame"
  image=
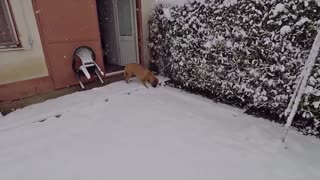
[
  {"x": 139, "y": 26},
  {"x": 138, "y": 32},
  {"x": 135, "y": 29}
]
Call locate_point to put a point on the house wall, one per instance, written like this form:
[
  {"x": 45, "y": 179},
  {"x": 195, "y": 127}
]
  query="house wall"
[
  {"x": 147, "y": 7},
  {"x": 28, "y": 62},
  {"x": 25, "y": 71}
]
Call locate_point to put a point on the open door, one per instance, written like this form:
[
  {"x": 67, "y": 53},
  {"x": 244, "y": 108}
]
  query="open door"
[
  {"x": 117, "y": 19},
  {"x": 127, "y": 31}
]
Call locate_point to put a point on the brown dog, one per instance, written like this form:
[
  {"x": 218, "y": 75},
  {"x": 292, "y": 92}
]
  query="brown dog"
[{"x": 143, "y": 74}]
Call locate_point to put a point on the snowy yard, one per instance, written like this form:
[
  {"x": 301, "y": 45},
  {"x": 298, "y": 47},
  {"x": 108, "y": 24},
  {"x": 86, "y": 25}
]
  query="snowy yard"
[{"x": 124, "y": 132}]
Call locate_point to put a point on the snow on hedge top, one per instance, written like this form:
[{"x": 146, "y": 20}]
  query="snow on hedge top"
[
  {"x": 226, "y": 3},
  {"x": 302, "y": 21},
  {"x": 167, "y": 13},
  {"x": 179, "y": 2},
  {"x": 278, "y": 9},
  {"x": 229, "y": 3},
  {"x": 284, "y": 30}
]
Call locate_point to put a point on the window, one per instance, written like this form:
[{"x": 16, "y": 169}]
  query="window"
[
  {"x": 125, "y": 17},
  {"x": 8, "y": 35}
]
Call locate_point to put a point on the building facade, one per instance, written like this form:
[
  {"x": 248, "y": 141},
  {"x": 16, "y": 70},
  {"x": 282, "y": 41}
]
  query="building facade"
[{"x": 38, "y": 39}]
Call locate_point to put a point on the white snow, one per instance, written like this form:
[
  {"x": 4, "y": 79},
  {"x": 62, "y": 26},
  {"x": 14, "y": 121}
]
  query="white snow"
[
  {"x": 213, "y": 41},
  {"x": 285, "y": 30},
  {"x": 229, "y": 44},
  {"x": 243, "y": 33},
  {"x": 279, "y": 8},
  {"x": 208, "y": 44},
  {"x": 125, "y": 131},
  {"x": 167, "y": 13},
  {"x": 316, "y": 104},
  {"x": 302, "y": 21},
  {"x": 228, "y": 3},
  {"x": 178, "y": 3}
]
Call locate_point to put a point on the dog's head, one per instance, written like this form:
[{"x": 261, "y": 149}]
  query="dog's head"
[{"x": 154, "y": 82}]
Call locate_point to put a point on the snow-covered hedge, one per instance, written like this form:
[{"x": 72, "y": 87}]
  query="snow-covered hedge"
[{"x": 247, "y": 53}]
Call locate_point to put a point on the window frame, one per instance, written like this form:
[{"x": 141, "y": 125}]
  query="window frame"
[{"x": 15, "y": 42}]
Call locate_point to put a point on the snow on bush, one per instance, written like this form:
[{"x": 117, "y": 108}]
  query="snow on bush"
[
  {"x": 310, "y": 106},
  {"x": 246, "y": 53},
  {"x": 176, "y": 2}
]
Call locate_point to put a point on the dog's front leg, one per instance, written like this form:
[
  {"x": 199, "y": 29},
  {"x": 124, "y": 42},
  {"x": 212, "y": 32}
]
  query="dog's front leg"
[
  {"x": 144, "y": 83},
  {"x": 127, "y": 76}
]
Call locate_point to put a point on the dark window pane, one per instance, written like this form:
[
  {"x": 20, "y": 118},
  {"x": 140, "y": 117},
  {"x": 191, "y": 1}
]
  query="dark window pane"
[
  {"x": 7, "y": 33},
  {"x": 125, "y": 17}
]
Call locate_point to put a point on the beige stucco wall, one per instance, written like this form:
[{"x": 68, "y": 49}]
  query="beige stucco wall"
[
  {"x": 28, "y": 62},
  {"x": 147, "y": 7}
]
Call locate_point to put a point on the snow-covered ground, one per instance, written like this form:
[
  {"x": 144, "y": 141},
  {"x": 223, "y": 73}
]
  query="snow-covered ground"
[{"x": 125, "y": 131}]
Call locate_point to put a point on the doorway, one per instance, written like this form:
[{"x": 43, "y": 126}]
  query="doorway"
[{"x": 118, "y": 29}]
